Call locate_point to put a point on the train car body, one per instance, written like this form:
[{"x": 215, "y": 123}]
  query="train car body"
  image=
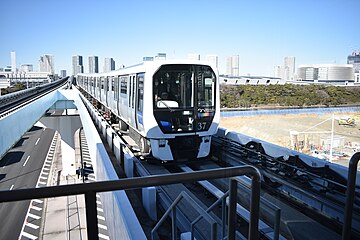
[{"x": 172, "y": 107}]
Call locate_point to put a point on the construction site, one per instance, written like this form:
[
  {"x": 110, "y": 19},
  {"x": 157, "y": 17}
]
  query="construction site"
[{"x": 334, "y": 137}]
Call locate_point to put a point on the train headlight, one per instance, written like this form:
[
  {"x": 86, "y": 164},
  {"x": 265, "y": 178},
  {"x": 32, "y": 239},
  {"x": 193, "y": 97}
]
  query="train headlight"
[
  {"x": 206, "y": 139},
  {"x": 162, "y": 142}
]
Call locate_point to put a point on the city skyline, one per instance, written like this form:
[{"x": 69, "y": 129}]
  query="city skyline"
[{"x": 261, "y": 33}]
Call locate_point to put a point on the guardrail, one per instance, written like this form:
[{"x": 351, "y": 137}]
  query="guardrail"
[{"x": 90, "y": 190}]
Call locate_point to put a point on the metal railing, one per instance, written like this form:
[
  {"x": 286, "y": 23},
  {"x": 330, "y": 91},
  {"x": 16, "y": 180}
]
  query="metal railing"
[
  {"x": 90, "y": 190},
  {"x": 172, "y": 210},
  {"x": 350, "y": 196}
]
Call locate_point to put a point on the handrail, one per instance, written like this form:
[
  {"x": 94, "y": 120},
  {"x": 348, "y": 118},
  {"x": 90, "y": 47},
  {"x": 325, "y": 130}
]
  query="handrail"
[
  {"x": 350, "y": 195},
  {"x": 90, "y": 190},
  {"x": 196, "y": 206},
  {"x": 221, "y": 200}
]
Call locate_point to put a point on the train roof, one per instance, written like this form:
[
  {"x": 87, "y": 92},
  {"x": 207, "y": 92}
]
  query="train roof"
[{"x": 141, "y": 67}]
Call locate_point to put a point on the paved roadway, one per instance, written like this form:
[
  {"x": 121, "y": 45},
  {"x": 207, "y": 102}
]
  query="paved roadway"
[{"x": 20, "y": 168}]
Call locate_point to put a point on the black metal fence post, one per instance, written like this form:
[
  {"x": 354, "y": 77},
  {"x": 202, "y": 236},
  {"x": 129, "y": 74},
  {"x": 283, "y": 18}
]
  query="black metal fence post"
[
  {"x": 91, "y": 216},
  {"x": 350, "y": 195},
  {"x": 232, "y": 209}
]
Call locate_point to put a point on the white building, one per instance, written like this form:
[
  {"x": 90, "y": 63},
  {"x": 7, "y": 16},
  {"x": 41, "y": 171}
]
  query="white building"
[
  {"x": 62, "y": 73},
  {"x": 214, "y": 59},
  {"x": 109, "y": 64},
  {"x": 160, "y": 56},
  {"x": 93, "y": 64},
  {"x": 46, "y": 63},
  {"x": 336, "y": 74},
  {"x": 26, "y": 68},
  {"x": 30, "y": 79},
  {"x": 232, "y": 65},
  {"x": 13, "y": 61},
  {"x": 77, "y": 64},
  {"x": 278, "y": 71},
  {"x": 251, "y": 80},
  {"x": 289, "y": 69}
]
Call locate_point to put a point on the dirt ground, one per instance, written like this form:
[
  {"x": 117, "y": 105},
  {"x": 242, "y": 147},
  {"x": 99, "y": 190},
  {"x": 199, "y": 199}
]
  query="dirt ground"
[{"x": 314, "y": 131}]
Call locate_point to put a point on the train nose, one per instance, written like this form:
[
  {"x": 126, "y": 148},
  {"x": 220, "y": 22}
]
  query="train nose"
[{"x": 185, "y": 147}]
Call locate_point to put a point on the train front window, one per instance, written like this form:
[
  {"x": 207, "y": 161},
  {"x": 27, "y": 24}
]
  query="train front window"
[
  {"x": 184, "y": 97},
  {"x": 173, "y": 85}
]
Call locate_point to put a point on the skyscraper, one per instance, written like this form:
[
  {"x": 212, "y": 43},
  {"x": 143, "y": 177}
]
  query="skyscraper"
[
  {"x": 109, "y": 64},
  {"x": 278, "y": 71},
  {"x": 93, "y": 64},
  {"x": 62, "y": 73},
  {"x": 77, "y": 64},
  {"x": 232, "y": 65},
  {"x": 289, "y": 68},
  {"x": 13, "y": 61},
  {"x": 46, "y": 63}
]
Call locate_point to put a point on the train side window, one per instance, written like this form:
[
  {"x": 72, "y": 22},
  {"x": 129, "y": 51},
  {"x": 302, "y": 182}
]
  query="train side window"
[
  {"x": 140, "y": 99},
  {"x": 123, "y": 85},
  {"x": 112, "y": 83}
]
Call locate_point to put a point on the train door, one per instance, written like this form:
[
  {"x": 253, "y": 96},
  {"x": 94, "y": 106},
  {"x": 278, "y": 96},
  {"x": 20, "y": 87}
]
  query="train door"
[
  {"x": 101, "y": 91},
  {"x": 98, "y": 88},
  {"x": 116, "y": 94},
  {"x": 92, "y": 86},
  {"x": 131, "y": 103},
  {"x": 106, "y": 91},
  {"x": 140, "y": 101}
]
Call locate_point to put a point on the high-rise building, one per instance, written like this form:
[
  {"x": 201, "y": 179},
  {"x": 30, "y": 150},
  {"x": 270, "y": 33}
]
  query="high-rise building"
[
  {"x": 93, "y": 64},
  {"x": 46, "y": 63},
  {"x": 289, "y": 68},
  {"x": 26, "y": 68},
  {"x": 232, "y": 65},
  {"x": 77, "y": 64},
  {"x": 214, "y": 59},
  {"x": 13, "y": 61},
  {"x": 193, "y": 56},
  {"x": 354, "y": 59},
  {"x": 62, "y": 73},
  {"x": 109, "y": 64},
  {"x": 278, "y": 71}
]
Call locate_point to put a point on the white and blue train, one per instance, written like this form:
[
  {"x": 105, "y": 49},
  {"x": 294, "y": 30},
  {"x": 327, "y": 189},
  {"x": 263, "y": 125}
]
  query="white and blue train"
[{"x": 171, "y": 108}]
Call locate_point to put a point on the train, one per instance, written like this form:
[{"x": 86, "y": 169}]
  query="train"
[{"x": 171, "y": 108}]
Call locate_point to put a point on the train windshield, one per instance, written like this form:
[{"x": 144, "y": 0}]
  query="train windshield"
[{"x": 183, "y": 95}]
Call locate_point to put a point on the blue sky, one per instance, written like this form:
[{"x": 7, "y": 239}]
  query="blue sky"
[{"x": 261, "y": 32}]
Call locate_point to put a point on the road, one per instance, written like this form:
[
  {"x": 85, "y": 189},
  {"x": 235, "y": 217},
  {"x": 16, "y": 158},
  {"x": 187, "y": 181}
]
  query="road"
[{"x": 20, "y": 168}]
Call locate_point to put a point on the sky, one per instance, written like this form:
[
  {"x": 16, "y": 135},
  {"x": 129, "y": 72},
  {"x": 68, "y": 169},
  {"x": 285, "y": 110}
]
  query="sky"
[{"x": 261, "y": 32}]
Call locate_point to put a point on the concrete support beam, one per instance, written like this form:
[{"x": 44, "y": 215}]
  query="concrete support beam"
[
  {"x": 66, "y": 125},
  {"x": 149, "y": 202}
]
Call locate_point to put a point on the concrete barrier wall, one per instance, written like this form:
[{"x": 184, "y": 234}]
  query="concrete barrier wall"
[
  {"x": 14, "y": 125},
  {"x": 122, "y": 221}
]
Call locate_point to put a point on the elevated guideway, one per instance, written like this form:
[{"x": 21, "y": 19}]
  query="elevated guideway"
[{"x": 124, "y": 224}]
